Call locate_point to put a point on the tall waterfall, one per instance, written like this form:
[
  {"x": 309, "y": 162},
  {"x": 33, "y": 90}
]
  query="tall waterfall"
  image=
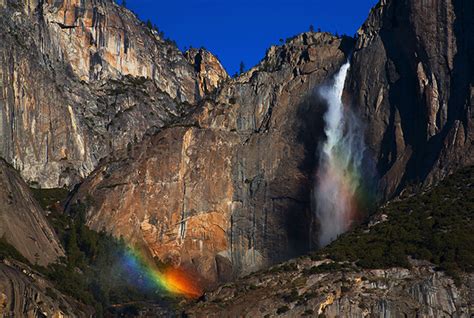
[{"x": 338, "y": 177}]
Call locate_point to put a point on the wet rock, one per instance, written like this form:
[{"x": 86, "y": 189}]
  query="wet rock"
[{"x": 412, "y": 80}]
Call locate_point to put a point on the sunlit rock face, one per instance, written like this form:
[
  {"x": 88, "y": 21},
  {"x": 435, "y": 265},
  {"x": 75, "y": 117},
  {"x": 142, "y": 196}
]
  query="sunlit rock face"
[
  {"x": 80, "y": 79},
  {"x": 226, "y": 190},
  {"x": 23, "y": 223},
  {"x": 412, "y": 78},
  {"x": 211, "y": 73},
  {"x": 100, "y": 39},
  {"x": 410, "y": 81}
]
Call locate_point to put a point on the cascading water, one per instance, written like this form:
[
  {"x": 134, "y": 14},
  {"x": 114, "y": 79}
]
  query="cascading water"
[{"x": 338, "y": 176}]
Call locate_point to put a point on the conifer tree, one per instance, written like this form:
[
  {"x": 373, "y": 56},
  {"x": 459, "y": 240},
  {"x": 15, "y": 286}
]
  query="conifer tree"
[{"x": 242, "y": 67}]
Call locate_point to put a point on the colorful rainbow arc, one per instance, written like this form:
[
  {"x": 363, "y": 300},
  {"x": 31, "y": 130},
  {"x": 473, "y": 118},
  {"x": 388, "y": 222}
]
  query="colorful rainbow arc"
[{"x": 172, "y": 280}]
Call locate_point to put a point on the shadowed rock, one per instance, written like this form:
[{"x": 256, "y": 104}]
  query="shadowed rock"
[
  {"x": 412, "y": 79},
  {"x": 23, "y": 223}
]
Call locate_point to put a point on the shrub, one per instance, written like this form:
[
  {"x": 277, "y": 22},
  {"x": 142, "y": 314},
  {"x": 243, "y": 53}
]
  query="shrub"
[
  {"x": 435, "y": 226},
  {"x": 282, "y": 310},
  {"x": 9, "y": 251}
]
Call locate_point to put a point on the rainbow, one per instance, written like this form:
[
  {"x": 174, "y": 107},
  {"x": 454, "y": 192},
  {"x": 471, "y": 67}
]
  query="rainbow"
[
  {"x": 173, "y": 280},
  {"x": 341, "y": 191}
]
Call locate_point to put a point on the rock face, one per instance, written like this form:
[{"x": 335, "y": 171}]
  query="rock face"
[
  {"x": 227, "y": 190},
  {"x": 242, "y": 163},
  {"x": 371, "y": 271},
  {"x": 25, "y": 293},
  {"x": 221, "y": 181},
  {"x": 23, "y": 223},
  {"x": 79, "y": 79},
  {"x": 211, "y": 73},
  {"x": 289, "y": 292},
  {"x": 412, "y": 77}
]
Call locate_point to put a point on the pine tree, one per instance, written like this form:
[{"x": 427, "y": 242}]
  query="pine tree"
[
  {"x": 311, "y": 28},
  {"x": 72, "y": 249},
  {"x": 149, "y": 25},
  {"x": 242, "y": 67},
  {"x": 124, "y": 3}
]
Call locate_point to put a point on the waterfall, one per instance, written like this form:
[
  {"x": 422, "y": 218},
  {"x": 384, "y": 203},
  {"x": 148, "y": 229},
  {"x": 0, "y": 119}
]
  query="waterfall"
[{"x": 338, "y": 179}]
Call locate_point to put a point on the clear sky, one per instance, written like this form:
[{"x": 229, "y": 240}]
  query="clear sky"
[{"x": 242, "y": 30}]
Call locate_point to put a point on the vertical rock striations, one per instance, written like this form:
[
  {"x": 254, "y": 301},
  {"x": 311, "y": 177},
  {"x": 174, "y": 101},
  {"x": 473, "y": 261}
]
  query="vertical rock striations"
[
  {"x": 412, "y": 78},
  {"x": 80, "y": 79},
  {"x": 211, "y": 73}
]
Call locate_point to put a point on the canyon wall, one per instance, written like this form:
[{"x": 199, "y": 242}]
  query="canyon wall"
[
  {"x": 212, "y": 173},
  {"x": 412, "y": 80},
  {"x": 26, "y": 293},
  {"x": 243, "y": 162},
  {"x": 226, "y": 190},
  {"x": 80, "y": 79}
]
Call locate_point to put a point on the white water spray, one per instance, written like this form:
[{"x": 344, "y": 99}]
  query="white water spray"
[{"x": 338, "y": 177}]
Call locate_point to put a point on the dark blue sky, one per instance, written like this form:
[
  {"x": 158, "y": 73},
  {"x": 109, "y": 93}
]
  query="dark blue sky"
[{"x": 242, "y": 30}]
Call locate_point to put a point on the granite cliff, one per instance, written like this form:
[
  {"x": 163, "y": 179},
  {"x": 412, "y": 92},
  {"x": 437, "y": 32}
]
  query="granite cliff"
[
  {"x": 215, "y": 174},
  {"x": 80, "y": 79},
  {"x": 234, "y": 192},
  {"x": 412, "y": 79},
  {"x": 23, "y": 222},
  {"x": 412, "y": 259},
  {"x": 24, "y": 226},
  {"x": 26, "y": 293},
  {"x": 227, "y": 189}
]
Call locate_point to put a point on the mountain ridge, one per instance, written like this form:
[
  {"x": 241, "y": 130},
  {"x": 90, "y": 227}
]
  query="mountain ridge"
[{"x": 217, "y": 174}]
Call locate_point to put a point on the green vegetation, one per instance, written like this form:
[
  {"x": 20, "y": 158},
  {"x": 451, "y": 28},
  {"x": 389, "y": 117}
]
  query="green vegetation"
[
  {"x": 93, "y": 270},
  {"x": 241, "y": 68},
  {"x": 292, "y": 296},
  {"x": 282, "y": 310},
  {"x": 436, "y": 226},
  {"x": 8, "y": 251},
  {"x": 48, "y": 198},
  {"x": 326, "y": 267},
  {"x": 286, "y": 267},
  {"x": 149, "y": 25}
]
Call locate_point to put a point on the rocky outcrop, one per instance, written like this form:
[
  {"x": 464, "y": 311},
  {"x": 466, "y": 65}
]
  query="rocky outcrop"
[
  {"x": 25, "y": 293},
  {"x": 81, "y": 79},
  {"x": 412, "y": 77},
  {"x": 210, "y": 71},
  {"x": 227, "y": 190},
  {"x": 22, "y": 221},
  {"x": 291, "y": 291},
  {"x": 379, "y": 269},
  {"x": 101, "y": 40}
]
